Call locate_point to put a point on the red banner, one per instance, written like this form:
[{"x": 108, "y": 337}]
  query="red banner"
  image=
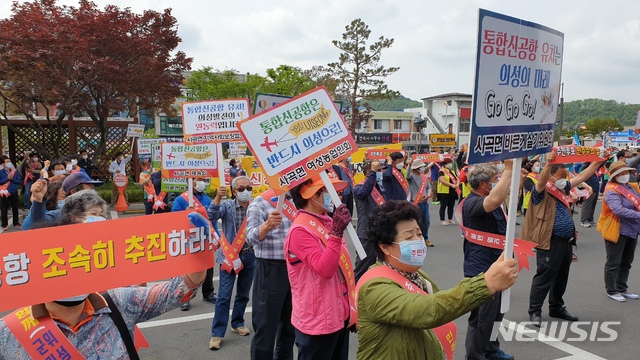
[
  {"x": 376, "y": 154},
  {"x": 432, "y": 157},
  {"x": 39, "y": 265},
  {"x": 578, "y": 154}
]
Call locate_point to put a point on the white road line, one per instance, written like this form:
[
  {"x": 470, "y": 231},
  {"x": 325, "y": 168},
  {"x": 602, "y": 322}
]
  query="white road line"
[
  {"x": 181, "y": 320},
  {"x": 576, "y": 353}
]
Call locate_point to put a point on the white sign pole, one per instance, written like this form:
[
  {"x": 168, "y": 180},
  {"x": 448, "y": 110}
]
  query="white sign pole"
[
  {"x": 133, "y": 141},
  {"x": 220, "y": 160},
  {"x": 190, "y": 181},
  {"x": 351, "y": 231},
  {"x": 511, "y": 226},
  {"x": 280, "y": 205}
]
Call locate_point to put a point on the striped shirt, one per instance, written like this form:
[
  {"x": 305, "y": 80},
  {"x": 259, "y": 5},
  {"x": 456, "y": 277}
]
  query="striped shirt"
[
  {"x": 563, "y": 225},
  {"x": 272, "y": 247}
]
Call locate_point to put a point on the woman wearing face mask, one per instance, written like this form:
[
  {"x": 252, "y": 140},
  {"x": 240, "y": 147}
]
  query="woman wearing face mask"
[
  {"x": 319, "y": 285},
  {"x": 619, "y": 224},
  {"x": 399, "y": 306},
  {"x": 447, "y": 191}
]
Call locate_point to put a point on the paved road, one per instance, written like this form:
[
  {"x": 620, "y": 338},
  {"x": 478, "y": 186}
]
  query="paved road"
[{"x": 186, "y": 334}]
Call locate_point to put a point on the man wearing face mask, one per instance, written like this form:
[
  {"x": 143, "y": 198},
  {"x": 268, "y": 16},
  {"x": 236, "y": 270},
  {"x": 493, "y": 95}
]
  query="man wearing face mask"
[
  {"x": 9, "y": 181},
  {"x": 72, "y": 184},
  {"x": 201, "y": 202},
  {"x": 238, "y": 261},
  {"x": 30, "y": 172},
  {"x": 368, "y": 196},
  {"x": 549, "y": 224},
  {"x": 481, "y": 211},
  {"x": 393, "y": 180},
  {"x": 86, "y": 163},
  {"x": 119, "y": 166},
  {"x": 419, "y": 192}
]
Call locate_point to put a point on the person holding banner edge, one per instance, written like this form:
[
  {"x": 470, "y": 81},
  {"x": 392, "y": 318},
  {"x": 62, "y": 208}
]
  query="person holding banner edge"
[
  {"x": 237, "y": 261},
  {"x": 482, "y": 211},
  {"x": 319, "y": 268},
  {"x": 549, "y": 224}
]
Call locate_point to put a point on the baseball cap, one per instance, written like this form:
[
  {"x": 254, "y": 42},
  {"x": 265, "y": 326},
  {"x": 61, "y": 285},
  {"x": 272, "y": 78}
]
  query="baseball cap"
[
  {"x": 76, "y": 179},
  {"x": 309, "y": 190}
]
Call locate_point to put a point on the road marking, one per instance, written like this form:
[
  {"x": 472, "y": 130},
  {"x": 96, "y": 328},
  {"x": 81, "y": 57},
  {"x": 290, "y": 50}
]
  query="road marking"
[
  {"x": 181, "y": 320},
  {"x": 576, "y": 353}
]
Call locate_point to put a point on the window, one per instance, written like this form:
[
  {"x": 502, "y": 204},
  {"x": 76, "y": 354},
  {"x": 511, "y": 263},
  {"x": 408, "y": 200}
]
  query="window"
[
  {"x": 465, "y": 125},
  {"x": 377, "y": 124},
  {"x": 397, "y": 124}
]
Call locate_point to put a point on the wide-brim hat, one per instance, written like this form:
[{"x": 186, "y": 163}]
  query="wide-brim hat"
[
  {"x": 417, "y": 163},
  {"x": 309, "y": 190},
  {"x": 618, "y": 167}
]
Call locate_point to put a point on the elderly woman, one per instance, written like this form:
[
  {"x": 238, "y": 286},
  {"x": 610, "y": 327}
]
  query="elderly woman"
[
  {"x": 399, "y": 306},
  {"x": 319, "y": 290},
  {"x": 619, "y": 224},
  {"x": 83, "y": 206}
]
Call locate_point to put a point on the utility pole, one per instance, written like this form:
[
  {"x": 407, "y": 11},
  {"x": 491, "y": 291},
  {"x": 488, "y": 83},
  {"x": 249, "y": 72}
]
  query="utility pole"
[{"x": 561, "y": 111}]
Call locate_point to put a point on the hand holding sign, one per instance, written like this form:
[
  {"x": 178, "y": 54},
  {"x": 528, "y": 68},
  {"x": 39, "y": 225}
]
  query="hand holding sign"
[
  {"x": 502, "y": 274},
  {"x": 341, "y": 219},
  {"x": 222, "y": 193}
]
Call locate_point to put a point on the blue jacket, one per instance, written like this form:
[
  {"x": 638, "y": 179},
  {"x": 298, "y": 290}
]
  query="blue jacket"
[
  {"x": 39, "y": 212},
  {"x": 180, "y": 203},
  {"x": 227, "y": 212},
  {"x": 365, "y": 203},
  {"x": 392, "y": 188},
  {"x": 13, "y": 186}
]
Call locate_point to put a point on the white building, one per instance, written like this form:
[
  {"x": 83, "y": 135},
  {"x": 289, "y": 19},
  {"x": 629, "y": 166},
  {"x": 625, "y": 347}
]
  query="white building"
[{"x": 446, "y": 114}]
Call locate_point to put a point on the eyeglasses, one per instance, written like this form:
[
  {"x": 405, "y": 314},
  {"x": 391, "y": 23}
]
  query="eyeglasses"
[{"x": 243, "y": 188}]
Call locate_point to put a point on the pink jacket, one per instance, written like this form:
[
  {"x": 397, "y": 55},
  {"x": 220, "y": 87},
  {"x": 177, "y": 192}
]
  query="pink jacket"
[{"x": 319, "y": 295}]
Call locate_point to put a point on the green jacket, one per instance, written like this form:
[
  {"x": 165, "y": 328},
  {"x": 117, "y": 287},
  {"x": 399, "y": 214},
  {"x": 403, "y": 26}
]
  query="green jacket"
[{"x": 395, "y": 324}]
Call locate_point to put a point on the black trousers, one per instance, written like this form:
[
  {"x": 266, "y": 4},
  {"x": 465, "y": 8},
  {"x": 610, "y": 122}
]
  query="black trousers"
[
  {"x": 207, "y": 285},
  {"x": 362, "y": 265},
  {"x": 334, "y": 346},
  {"x": 481, "y": 322},
  {"x": 447, "y": 202},
  {"x": 551, "y": 276},
  {"x": 274, "y": 335},
  {"x": 619, "y": 259},
  {"x": 4, "y": 206}
]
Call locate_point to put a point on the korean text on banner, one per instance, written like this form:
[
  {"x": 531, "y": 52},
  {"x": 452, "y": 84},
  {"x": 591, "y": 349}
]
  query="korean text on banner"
[
  {"x": 578, "y": 154},
  {"x": 145, "y": 148},
  {"x": 264, "y": 102},
  {"x": 381, "y": 154},
  {"x": 213, "y": 120},
  {"x": 98, "y": 256},
  {"x": 298, "y": 139},
  {"x": 184, "y": 161},
  {"x": 517, "y": 85},
  {"x": 135, "y": 130}
]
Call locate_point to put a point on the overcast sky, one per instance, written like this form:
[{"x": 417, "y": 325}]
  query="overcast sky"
[{"x": 435, "y": 42}]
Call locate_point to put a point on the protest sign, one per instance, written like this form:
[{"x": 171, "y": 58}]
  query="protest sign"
[
  {"x": 213, "y": 120},
  {"x": 135, "y": 130},
  {"x": 578, "y": 154},
  {"x": 263, "y": 102},
  {"x": 517, "y": 86},
  {"x": 258, "y": 181},
  {"x": 97, "y": 256},
  {"x": 297, "y": 139},
  {"x": 431, "y": 157},
  {"x": 184, "y": 161},
  {"x": 382, "y": 154},
  {"x": 181, "y": 185}
]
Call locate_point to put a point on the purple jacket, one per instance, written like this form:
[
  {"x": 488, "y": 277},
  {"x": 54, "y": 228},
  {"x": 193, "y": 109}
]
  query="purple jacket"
[{"x": 624, "y": 209}]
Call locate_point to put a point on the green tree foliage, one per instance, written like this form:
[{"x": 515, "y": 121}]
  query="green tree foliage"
[
  {"x": 287, "y": 80},
  {"x": 597, "y": 126},
  {"x": 358, "y": 70},
  {"x": 398, "y": 104},
  {"x": 580, "y": 111}
]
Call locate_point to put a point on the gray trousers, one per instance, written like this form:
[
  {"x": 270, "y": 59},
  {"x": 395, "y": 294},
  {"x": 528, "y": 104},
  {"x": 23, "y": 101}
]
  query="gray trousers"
[
  {"x": 619, "y": 259},
  {"x": 274, "y": 335},
  {"x": 481, "y": 322},
  {"x": 589, "y": 207}
]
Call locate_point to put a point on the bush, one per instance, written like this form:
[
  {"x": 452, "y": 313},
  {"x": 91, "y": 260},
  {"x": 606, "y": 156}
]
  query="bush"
[{"x": 134, "y": 192}]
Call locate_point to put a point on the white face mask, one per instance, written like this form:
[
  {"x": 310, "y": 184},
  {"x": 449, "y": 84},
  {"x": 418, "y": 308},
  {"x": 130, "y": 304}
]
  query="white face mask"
[
  {"x": 74, "y": 162},
  {"x": 8, "y": 165},
  {"x": 85, "y": 157},
  {"x": 536, "y": 169},
  {"x": 69, "y": 167},
  {"x": 35, "y": 159},
  {"x": 561, "y": 184},
  {"x": 244, "y": 196},
  {"x": 58, "y": 172},
  {"x": 449, "y": 166},
  {"x": 400, "y": 166},
  {"x": 622, "y": 179},
  {"x": 200, "y": 186}
]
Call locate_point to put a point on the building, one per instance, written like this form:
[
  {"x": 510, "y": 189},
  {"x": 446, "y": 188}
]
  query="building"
[
  {"x": 386, "y": 127},
  {"x": 448, "y": 113}
]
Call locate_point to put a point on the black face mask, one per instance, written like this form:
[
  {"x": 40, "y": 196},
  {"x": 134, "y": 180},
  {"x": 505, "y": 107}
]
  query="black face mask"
[{"x": 69, "y": 303}]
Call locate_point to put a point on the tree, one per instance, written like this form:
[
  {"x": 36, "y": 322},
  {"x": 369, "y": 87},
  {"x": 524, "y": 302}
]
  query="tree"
[
  {"x": 208, "y": 83},
  {"x": 87, "y": 62},
  {"x": 287, "y": 80},
  {"x": 358, "y": 70},
  {"x": 599, "y": 125}
]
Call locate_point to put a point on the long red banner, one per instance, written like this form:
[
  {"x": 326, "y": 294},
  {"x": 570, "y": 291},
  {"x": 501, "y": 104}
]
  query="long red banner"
[{"x": 39, "y": 266}]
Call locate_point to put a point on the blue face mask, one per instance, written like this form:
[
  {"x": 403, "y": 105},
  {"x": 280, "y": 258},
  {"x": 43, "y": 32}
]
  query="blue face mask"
[
  {"x": 60, "y": 204},
  {"x": 93, "y": 218},
  {"x": 327, "y": 204},
  {"x": 412, "y": 252},
  {"x": 378, "y": 176}
]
